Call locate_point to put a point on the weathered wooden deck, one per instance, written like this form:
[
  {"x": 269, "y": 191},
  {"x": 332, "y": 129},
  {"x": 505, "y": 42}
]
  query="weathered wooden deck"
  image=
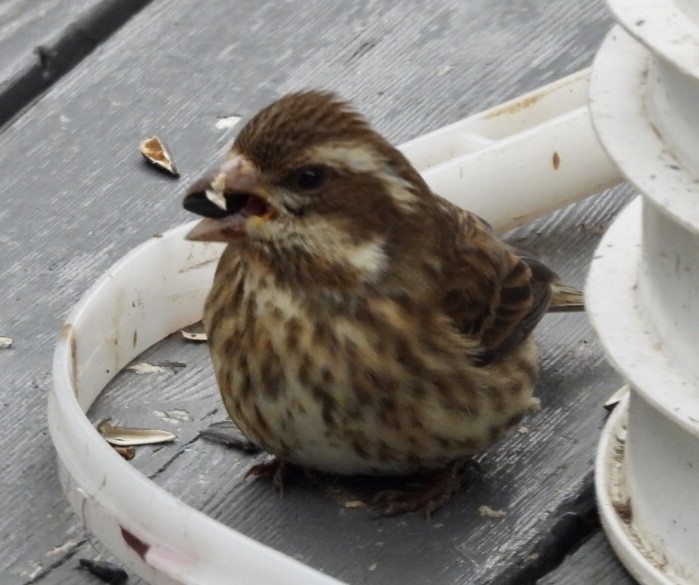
[{"x": 81, "y": 83}]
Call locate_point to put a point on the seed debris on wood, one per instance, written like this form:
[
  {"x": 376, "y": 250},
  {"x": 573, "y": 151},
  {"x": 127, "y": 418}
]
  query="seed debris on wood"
[
  {"x": 6, "y": 342},
  {"x": 194, "y": 336},
  {"x": 170, "y": 365},
  {"x": 142, "y": 368},
  {"x": 145, "y": 368},
  {"x": 488, "y": 512},
  {"x": 227, "y": 433},
  {"x": 109, "y": 572},
  {"x": 156, "y": 154},
  {"x": 225, "y": 122},
  {"x": 442, "y": 70},
  {"x": 131, "y": 437},
  {"x": 173, "y": 416}
]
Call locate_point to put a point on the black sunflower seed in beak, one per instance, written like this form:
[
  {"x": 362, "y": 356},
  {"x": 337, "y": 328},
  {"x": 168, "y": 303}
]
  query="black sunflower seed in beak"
[
  {"x": 209, "y": 203},
  {"x": 204, "y": 202},
  {"x": 212, "y": 204}
]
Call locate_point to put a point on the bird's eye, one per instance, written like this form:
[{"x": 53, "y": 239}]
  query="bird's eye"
[{"x": 308, "y": 178}]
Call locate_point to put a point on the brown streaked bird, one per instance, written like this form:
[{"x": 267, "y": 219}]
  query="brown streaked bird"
[{"x": 359, "y": 323}]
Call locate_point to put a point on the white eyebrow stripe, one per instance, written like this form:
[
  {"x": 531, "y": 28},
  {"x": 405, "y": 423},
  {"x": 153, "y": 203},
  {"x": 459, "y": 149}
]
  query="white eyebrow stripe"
[
  {"x": 361, "y": 159},
  {"x": 350, "y": 156}
]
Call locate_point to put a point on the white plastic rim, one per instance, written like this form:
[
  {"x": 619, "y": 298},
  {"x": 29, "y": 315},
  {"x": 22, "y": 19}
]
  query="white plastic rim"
[
  {"x": 646, "y": 561},
  {"x": 618, "y": 94},
  {"x": 642, "y": 290},
  {"x": 664, "y": 27},
  {"x": 612, "y": 495},
  {"x": 660, "y": 470},
  {"x": 618, "y": 90},
  {"x": 160, "y": 287},
  {"x": 669, "y": 30}
]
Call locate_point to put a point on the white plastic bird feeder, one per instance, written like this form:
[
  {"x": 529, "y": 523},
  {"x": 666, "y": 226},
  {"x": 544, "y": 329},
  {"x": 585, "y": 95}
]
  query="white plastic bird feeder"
[
  {"x": 545, "y": 140},
  {"x": 643, "y": 288}
]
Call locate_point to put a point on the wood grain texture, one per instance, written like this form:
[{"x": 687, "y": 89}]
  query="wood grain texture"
[
  {"x": 42, "y": 39},
  {"x": 25, "y": 25},
  {"x": 76, "y": 196}
]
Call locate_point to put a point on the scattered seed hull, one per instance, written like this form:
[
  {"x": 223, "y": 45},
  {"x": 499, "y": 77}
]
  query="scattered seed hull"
[
  {"x": 132, "y": 437},
  {"x": 157, "y": 154}
]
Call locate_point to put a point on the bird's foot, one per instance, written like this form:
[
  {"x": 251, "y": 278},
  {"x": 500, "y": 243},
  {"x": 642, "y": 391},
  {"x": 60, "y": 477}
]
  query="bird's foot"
[
  {"x": 275, "y": 470},
  {"x": 431, "y": 497}
]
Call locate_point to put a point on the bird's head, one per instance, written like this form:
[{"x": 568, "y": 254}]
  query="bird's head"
[{"x": 308, "y": 174}]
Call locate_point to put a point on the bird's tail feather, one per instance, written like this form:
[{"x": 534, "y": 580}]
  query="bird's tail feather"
[{"x": 566, "y": 298}]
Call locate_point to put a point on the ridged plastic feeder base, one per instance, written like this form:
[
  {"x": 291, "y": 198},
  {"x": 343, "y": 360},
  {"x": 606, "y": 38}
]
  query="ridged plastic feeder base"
[{"x": 643, "y": 289}]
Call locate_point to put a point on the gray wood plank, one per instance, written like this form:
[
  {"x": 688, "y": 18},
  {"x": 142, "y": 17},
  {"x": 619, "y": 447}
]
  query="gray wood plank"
[
  {"x": 593, "y": 562},
  {"x": 42, "y": 39},
  {"x": 76, "y": 197}
]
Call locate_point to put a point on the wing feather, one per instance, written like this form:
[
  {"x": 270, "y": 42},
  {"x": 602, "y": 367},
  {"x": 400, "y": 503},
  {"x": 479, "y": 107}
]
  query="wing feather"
[{"x": 494, "y": 295}]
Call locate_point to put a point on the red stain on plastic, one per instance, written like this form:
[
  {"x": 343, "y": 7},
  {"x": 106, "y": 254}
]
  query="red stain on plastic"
[{"x": 135, "y": 543}]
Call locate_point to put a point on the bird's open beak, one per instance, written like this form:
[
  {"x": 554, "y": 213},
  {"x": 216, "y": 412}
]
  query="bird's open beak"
[{"x": 231, "y": 202}]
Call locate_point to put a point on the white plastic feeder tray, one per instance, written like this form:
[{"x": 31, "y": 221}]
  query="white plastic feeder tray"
[
  {"x": 545, "y": 142},
  {"x": 643, "y": 288}
]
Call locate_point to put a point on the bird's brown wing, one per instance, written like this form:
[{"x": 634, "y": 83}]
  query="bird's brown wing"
[
  {"x": 564, "y": 298},
  {"x": 492, "y": 294}
]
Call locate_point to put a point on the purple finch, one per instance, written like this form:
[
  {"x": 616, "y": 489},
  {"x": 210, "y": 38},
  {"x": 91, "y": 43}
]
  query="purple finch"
[{"x": 359, "y": 323}]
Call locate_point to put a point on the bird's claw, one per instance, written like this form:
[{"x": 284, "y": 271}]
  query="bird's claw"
[
  {"x": 275, "y": 470},
  {"x": 433, "y": 496},
  {"x": 396, "y": 502}
]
